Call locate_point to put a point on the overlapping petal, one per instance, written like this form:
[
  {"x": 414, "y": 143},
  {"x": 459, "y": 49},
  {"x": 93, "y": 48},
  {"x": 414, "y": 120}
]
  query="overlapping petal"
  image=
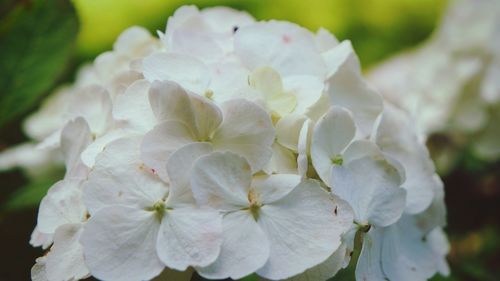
[
  {"x": 302, "y": 229},
  {"x": 331, "y": 135},
  {"x": 189, "y": 236},
  {"x": 124, "y": 249}
]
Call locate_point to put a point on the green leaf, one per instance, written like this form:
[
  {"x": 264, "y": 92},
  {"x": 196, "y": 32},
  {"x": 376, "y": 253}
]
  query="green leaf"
[
  {"x": 252, "y": 277},
  {"x": 30, "y": 195},
  {"x": 36, "y": 43}
]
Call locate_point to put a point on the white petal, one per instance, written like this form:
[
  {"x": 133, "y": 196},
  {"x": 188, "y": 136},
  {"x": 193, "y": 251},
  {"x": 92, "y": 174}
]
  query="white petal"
[
  {"x": 324, "y": 270},
  {"x": 307, "y": 90},
  {"x": 331, "y": 136},
  {"x": 65, "y": 259},
  {"x": 179, "y": 166},
  {"x": 122, "y": 81},
  {"x": 399, "y": 264},
  {"x": 186, "y": 70},
  {"x": 359, "y": 149},
  {"x": 159, "y": 144},
  {"x": 50, "y": 116},
  {"x": 180, "y": 17},
  {"x": 386, "y": 207},
  {"x": 189, "y": 33},
  {"x": 268, "y": 82},
  {"x": 283, "y": 161},
  {"x": 284, "y": 46},
  {"x": 325, "y": 40},
  {"x": 198, "y": 44},
  {"x": 133, "y": 107},
  {"x": 40, "y": 239},
  {"x": 412, "y": 251},
  {"x": 348, "y": 89},
  {"x": 362, "y": 148},
  {"x": 189, "y": 236},
  {"x": 224, "y": 20},
  {"x": 75, "y": 137},
  {"x": 345, "y": 215},
  {"x": 29, "y": 157},
  {"x": 490, "y": 86},
  {"x": 369, "y": 266},
  {"x": 274, "y": 187},
  {"x": 302, "y": 229},
  {"x": 288, "y": 130},
  {"x": 343, "y": 212},
  {"x": 337, "y": 56},
  {"x": 93, "y": 103},
  {"x": 406, "y": 148},
  {"x": 62, "y": 204},
  {"x": 371, "y": 186},
  {"x": 246, "y": 130},
  {"x": 348, "y": 240},
  {"x": 229, "y": 81},
  {"x": 435, "y": 215},
  {"x": 221, "y": 180},
  {"x": 304, "y": 147},
  {"x": 320, "y": 108},
  {"x": 119, "y": 177},
  {"x": 92, "y": 151},
  {"x": 119, "y": 243},
  {"x": 245, "y": 248},
  {"x": 169, "y": 101},
  {"x": 439, "y": 243},
  {"x": 51, "y": 142},
  {"x": 131, "y": 39},
  {"x": 208, "y": 116},
  {"x": 38, "y": 270},
  {"x": 106, "y": 65}
]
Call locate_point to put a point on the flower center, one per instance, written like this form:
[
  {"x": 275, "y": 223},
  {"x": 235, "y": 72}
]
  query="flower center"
[
  {"x": 337, "y": 160},
  {"x": 364, "y": 227},
  {"x": 208, "y": 94},
  {"x": 253, "y": 199},
  {"x": 158, "y": 208}
]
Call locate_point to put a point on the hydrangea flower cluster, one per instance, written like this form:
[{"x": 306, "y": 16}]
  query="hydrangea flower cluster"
[
  {"x": 228, "y": 147},
  {"x": 450, "y": 85}
]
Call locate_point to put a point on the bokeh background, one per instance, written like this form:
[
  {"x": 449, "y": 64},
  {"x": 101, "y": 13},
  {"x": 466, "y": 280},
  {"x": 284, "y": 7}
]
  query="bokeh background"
[{"x": 42, "y": 43}]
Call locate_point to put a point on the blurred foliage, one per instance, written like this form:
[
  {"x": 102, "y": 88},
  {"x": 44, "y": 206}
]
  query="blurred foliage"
[
  {"x": 376, "y": 27},
  {"x": 36, "y": 39},
  {"x": 474, "y": 255},
  {"x": 103, "y": 20},
  {"x": 30, "y": 194}
]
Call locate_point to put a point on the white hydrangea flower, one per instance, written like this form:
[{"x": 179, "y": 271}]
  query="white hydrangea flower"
[
  {"x": 128, "y": 203},
  {"x": 231, "y": 147},
  {"x": 62, "y": 212},
  {"x": 206, "y": 34},
  {"x": 448, "y": 84},
  {"x": 259, "y": 212},
  {"x": 412, "y": 249},
  {"x": 238, "y": 125}
]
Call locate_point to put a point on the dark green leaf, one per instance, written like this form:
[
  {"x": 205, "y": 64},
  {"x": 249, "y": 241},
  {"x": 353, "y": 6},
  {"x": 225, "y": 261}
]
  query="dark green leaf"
[
  {"x": 252, "y": 277},
  {"x": 36, "y": 42}
]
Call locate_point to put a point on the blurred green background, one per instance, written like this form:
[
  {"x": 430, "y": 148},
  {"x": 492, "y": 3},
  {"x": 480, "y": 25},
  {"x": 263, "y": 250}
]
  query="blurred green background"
[{"x": 42, "y": 43}]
